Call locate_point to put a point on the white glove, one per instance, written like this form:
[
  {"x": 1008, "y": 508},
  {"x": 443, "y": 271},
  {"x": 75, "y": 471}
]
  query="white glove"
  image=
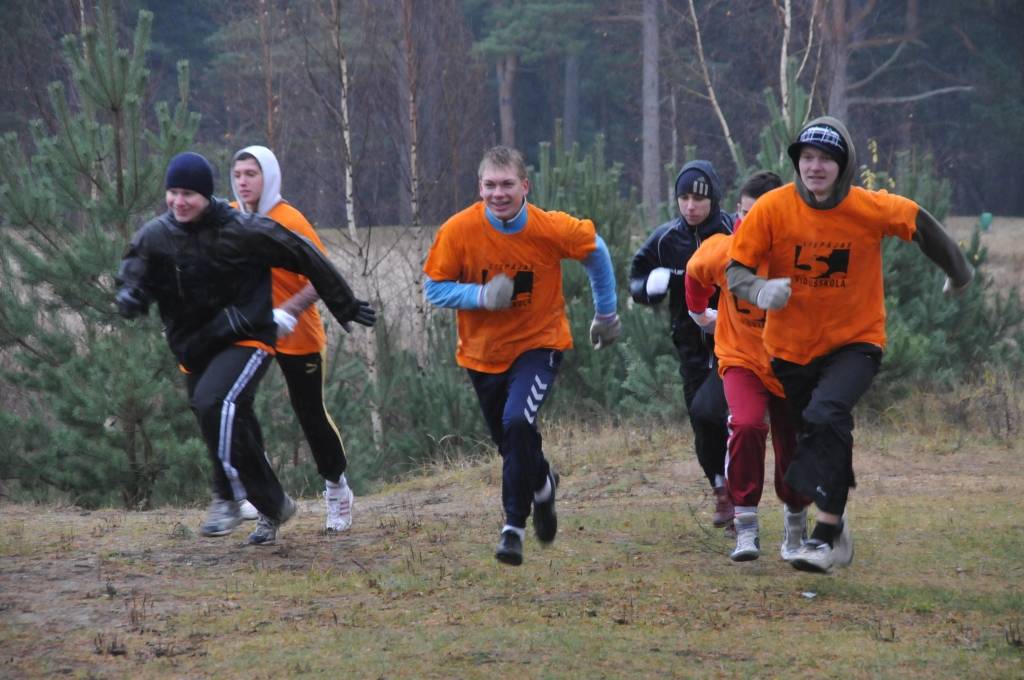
[
  {"x": 285, "y": 322},
  {"x": 497, "y": 293},
  {"x": 949, "y": 288},
  {"x": 657, "y": 281},
  {"x": 604, "y": 329},
  {"x": 706, "y": 319},
  {"x": 774, "y": 294}
]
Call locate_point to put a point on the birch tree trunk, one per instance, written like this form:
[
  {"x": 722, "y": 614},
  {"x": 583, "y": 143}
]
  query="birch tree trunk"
[{"x": 343, "y": 111}]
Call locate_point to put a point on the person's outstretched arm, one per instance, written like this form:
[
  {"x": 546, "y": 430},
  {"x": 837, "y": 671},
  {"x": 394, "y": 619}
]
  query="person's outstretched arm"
[
  {"x": 262, "y": 241},
  {"x": 606, "y": 326},
  {"x": 941, "y": 249},
  {"x": 648, "y": 277}
]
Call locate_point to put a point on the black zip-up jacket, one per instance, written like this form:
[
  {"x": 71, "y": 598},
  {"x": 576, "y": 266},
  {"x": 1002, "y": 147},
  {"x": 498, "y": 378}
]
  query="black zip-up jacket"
[
  {"x": 672, "y": 245},
  {"x": 210, "y": 279}
]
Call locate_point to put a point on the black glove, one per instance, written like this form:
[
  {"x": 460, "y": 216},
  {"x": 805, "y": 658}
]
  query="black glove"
[
  {"x": 366, "y": 314},
  {"x": 128, "y": 304}
]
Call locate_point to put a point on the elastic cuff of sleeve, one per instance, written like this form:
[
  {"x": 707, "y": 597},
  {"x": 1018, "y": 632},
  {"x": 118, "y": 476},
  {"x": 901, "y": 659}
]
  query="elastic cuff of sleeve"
[{"x": 606, "y": 317}]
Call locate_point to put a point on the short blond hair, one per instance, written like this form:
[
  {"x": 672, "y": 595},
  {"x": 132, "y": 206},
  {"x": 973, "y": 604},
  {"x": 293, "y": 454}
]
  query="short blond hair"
[{"x": 503, "y": 157}]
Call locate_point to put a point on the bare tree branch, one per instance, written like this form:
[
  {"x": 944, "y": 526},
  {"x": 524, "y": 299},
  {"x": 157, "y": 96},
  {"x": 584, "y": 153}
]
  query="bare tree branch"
[
  {"x": 711, "y": 91},
  {"x": 910, "y": 98},
  {"x": 882, "y": 68}
]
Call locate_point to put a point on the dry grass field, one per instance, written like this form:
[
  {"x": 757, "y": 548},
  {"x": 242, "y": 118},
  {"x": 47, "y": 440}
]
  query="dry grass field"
[{"x": 637, "y": 585}]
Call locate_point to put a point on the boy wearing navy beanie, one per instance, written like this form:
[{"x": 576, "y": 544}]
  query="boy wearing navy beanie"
[
  {"x": 190, "y": 171},
  {"x": 207, "y": 268}
]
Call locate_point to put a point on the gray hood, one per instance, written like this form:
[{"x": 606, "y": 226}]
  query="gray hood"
[
  {"x": 271, "y": 195},
  {"x": 845, "y": 179}
]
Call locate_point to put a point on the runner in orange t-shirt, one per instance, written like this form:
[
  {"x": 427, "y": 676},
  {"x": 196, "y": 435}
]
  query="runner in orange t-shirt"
[
  {"x": 751, "y": 390},
  {"x": 499, "y": 264},
  {"x": 817, "y": 243},
  {"x": 301, "y": 341}
]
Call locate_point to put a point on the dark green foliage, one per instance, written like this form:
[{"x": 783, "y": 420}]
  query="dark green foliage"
[
  {"x": 102, "y": 416},
  {"x": 638, "y": 376},
  {"x": 936, "y": 339}
]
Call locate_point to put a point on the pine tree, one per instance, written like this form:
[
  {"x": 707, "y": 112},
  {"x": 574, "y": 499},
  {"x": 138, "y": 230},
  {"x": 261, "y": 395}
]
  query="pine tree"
[{"x": 102, "y": 416}]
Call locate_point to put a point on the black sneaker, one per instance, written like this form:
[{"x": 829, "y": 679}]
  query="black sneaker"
[
  {"x": 545, "y": 520},
  {"x": 510, "y": 549}
]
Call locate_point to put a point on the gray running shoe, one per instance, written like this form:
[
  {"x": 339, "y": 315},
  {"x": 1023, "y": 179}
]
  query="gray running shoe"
[
  {"x": 266, "y": 528},
  {"x": 815, "y": 556},
  {"x": 842, "y": 547},
  {"x": 748, "y": 545},
  {"x": 222, "y": 518},
  {"x": 794, "y": 532}
]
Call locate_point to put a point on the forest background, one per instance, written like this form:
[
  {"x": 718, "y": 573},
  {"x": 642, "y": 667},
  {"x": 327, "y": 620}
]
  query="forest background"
[{"x": 378, "y": 112}]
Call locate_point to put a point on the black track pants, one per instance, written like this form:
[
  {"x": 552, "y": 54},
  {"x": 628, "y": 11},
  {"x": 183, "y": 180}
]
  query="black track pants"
[
  {"x": 304, "y": 375},
  {"x": 222, "y": 396},
  {"x": 821, "y": 396}
]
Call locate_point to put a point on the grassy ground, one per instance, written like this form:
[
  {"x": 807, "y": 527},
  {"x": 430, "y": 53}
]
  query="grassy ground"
[{"x": 637, "y": 584}]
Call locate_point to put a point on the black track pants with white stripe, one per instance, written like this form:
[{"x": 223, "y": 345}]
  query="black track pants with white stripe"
[
  {"x": 222, "y": 397},
  {"x": 510, "y": 403}
]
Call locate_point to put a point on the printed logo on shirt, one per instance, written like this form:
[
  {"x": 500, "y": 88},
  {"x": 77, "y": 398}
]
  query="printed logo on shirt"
[
  {"x": 522, "y": 284},
  {"x": 822, "y": 264},
  {"x": 749, "y": 315}
]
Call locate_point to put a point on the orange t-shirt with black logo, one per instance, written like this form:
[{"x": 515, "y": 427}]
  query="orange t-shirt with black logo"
[
  {"x": 834, "y": 261},
  {"x": 740, "y": 324},
  {"x": 468, "y": 249},
  {"x": 309, "y": 336}
]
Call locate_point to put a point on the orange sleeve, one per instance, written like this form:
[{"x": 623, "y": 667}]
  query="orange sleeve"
[
  {"x": 750, "y": 245},
  {"x": 444, "y": 262}
]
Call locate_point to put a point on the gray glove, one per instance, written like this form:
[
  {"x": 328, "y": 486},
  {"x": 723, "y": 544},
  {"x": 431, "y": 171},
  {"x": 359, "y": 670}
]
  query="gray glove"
[
  {"x": 496, "y": 293},
  {"x": 604, "y": 329},
  {"x": 774, "y": 294}
]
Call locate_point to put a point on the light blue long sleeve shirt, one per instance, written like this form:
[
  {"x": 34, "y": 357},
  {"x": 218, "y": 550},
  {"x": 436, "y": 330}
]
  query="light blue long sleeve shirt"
[{"x": 598, "y": 265}]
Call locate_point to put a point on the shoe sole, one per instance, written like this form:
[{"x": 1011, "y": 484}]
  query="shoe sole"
[
  {"x": 216, "y": 534},
  {"x": 512, "y": 559},
  {"x": 810, "y": 567},
  {"x": 744, "y": 556},
  {"x": 262, "y": 543}
]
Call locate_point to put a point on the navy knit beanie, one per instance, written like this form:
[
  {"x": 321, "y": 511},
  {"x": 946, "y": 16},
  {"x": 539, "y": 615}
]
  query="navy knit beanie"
[
  {"x": 190, "y": 171},
  {"x": 693, "y": 181}
]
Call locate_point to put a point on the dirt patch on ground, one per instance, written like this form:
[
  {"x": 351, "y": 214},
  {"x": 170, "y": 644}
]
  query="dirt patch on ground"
[{"x": 88, "y": 592}]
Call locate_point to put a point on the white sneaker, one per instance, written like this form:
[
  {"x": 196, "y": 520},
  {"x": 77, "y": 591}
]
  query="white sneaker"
[
  {"x": 842, "y": 547},
  {"x": 814, "y": 555},
  {"x": 248, "y": 511},
  {"x": 794, "y": 532},
  {"x": 339, "y": 508},
  {"x": 748, "y": 545}
]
